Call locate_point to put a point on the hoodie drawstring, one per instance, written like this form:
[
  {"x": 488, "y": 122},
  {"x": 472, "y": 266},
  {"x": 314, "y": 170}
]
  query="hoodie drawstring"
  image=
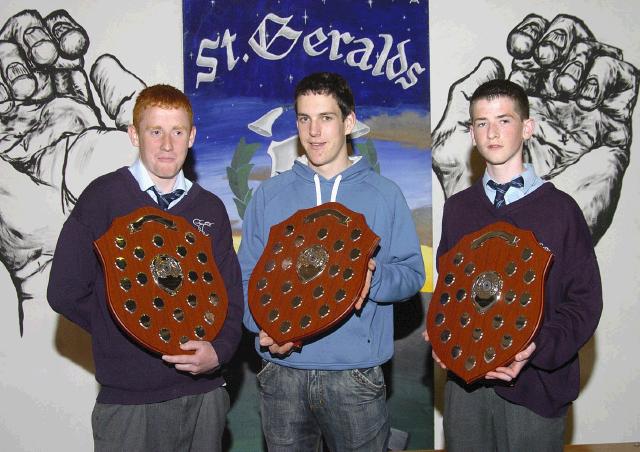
[{"x": 334, "y": 190}]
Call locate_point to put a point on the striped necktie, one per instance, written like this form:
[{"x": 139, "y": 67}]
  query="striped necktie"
[
  {"x": 501, "y": 189},
  {"x": 165, "y": 200}
]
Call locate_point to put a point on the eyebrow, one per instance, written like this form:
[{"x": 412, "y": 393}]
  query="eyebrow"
[
  {"x": 484, "y": 118},
  {"x": 324, "y": 113}
]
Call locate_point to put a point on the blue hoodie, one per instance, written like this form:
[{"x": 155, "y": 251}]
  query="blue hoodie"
[{"x": 366, "y": 338}]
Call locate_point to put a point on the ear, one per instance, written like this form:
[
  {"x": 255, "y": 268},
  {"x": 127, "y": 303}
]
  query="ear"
[
  {"x": 192, "y": 136},
  {"x": 349, "y": 123},
  {"x": 473, "y": 137},
  {"x": 527, "y": 130},
  {"x": 133, "y": 135}
]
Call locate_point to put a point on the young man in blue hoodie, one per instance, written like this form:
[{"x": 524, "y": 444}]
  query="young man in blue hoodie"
[{"x": 332, "y": 387}]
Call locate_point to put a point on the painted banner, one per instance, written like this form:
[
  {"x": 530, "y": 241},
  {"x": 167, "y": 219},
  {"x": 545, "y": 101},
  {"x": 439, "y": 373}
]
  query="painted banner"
[{"x": 242, "y": 61}]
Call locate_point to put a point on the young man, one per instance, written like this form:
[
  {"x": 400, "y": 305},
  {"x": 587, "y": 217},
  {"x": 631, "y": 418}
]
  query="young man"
[
  {"x": 332, "y": 387},
  {"x": 147, "y": 403},
  {"x": 522, "y": 406}
]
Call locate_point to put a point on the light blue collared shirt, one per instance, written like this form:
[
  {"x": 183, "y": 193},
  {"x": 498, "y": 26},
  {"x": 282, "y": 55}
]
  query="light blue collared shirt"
[
  {"x": 145, "y": 182},
  {"x": 531, "y": 183}
]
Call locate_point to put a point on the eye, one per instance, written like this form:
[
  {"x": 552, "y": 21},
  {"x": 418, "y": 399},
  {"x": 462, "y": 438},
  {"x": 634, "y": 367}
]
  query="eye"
[
  {"x": 155, "y": 133},
  {"x": 327, "y": 117},
  {"x": 303, "y": 119}
]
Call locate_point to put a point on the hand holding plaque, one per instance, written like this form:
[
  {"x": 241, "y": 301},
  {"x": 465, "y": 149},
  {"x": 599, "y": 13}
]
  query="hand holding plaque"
[
  {"x": 312, "y": 272},
  {"x": 163, "y": 286},
  {"x": 488, "y": 301}
]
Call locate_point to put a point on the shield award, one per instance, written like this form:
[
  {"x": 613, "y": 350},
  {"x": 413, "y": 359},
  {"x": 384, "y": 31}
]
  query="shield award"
[
  {"x": 488, "y": 301},
  {"x": 311, "y": 272},
  {"x": 163, "y": 287}
]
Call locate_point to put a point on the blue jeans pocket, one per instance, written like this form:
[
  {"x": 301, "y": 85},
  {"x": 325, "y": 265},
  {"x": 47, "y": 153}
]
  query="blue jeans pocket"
[{"x": 371, "y": 377}]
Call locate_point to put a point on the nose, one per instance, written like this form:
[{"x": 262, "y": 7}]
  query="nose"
[
  {"x": 492, "y": 131},
  {"x": 166, "y": 144},
  {"x": 314, "y": 127}
]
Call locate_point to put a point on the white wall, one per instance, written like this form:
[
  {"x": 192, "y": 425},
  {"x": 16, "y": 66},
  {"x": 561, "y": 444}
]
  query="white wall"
[
  {"x": 460, "y": 34},
  {"x": 47, "y": 389},
  {"x": 46, "y": 385}
]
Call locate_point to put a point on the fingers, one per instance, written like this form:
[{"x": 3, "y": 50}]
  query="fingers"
[
  {"x": 39, "y": 56},
  {"x": 559, "y": 39},
  {"x": 275, "y": 349},
  {"x": 371, "y": 266},
  {"x": 20, "y": 79},
  {"x": 71, "y": 37},
  {"x": 204, "y": 358},
  {"x": 6, "y": 99},
  {"x": 525, "y": 354},
  {"x": 524, "y": 37},
  {"x": 613, "y": 84},
  {"x": 27, "y": 29},
  {"x": 117, "y": 88}
]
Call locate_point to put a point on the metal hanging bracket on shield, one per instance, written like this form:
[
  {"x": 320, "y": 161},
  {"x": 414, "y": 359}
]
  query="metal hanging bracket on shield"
[
  {"x": 311, "y": 272},
  {"x": 488, "y": 301},
  {"x": 163, "y": 286}
]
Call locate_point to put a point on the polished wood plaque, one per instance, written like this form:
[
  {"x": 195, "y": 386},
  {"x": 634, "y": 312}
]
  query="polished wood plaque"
[
  {"x": 488, "y": 301},
  {"x": 163, "y": 286},
  {"x": 311, "y": 272}
]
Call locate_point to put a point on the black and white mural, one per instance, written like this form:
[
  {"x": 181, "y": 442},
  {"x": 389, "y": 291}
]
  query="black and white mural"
[
  {"x": 578, "y": 60},
  {"x": 54, "y": 139},
  {"x": 69, "y": 70},
  {"x": 582, "y": 94}
]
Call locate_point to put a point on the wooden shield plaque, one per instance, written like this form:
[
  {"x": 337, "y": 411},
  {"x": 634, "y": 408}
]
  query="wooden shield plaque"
[
  {"x": 488, "y": 301},
  {"x": 311, "y": 272},
  {"x": 163, "y": 286}
]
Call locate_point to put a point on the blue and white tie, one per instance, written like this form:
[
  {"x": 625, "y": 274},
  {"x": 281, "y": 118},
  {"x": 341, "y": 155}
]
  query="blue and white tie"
[{"x": 501, "y": 189}]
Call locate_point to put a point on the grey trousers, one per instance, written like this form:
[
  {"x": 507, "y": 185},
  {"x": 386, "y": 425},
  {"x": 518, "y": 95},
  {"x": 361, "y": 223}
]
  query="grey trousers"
[
  {"x": 480, "y": 420},
  {"x": 190, "y": 423}
]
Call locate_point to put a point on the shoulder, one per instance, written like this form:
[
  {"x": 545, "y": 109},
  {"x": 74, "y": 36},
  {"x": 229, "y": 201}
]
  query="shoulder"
[
  {"x": 464, "y": 197},
  {"x": 203, "y": 195},
  {"x": 107, "y": 184},
  {"x": 277, "y": 184},
  {"x": 382, "y": 187}
]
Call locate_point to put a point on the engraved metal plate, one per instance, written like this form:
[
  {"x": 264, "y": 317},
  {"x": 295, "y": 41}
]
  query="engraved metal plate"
[
  {"x": 163, "y": 287},
  {"x": 311, "y": 273},
  {"x": 485, "y": 311}
]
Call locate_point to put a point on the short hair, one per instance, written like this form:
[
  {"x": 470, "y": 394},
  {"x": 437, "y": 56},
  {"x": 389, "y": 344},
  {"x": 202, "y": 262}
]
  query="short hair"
[
  {"x": 502, "y": 88},
  {"x": 328, "y": 83},
  {"x": 163, "y": 96}
]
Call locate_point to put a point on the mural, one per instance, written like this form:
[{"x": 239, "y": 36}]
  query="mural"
[
  {"x": 53, "y": 140},
  {"x": 582, "y": 95}
]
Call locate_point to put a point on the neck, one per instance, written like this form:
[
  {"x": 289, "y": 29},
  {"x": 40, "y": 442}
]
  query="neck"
[
  {"x": 164, "y": 185},
  {"x": 503, "y": 174},
  {"x": 331, "y": 170}
]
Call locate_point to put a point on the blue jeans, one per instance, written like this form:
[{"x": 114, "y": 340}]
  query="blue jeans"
[{"x": 346, "y": 407}]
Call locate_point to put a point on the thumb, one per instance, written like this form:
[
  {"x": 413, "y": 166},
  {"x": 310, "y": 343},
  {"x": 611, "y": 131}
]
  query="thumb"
[
  {"x": 460, "y": 92},
  {"x": 117, "y": 88}
]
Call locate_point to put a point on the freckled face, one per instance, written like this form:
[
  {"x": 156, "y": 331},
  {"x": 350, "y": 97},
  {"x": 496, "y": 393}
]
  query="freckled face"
[
  {"x": 499, "y": 133},
  {"x": 323, "y": 133},
  {"x": 163, "y": 138}
]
